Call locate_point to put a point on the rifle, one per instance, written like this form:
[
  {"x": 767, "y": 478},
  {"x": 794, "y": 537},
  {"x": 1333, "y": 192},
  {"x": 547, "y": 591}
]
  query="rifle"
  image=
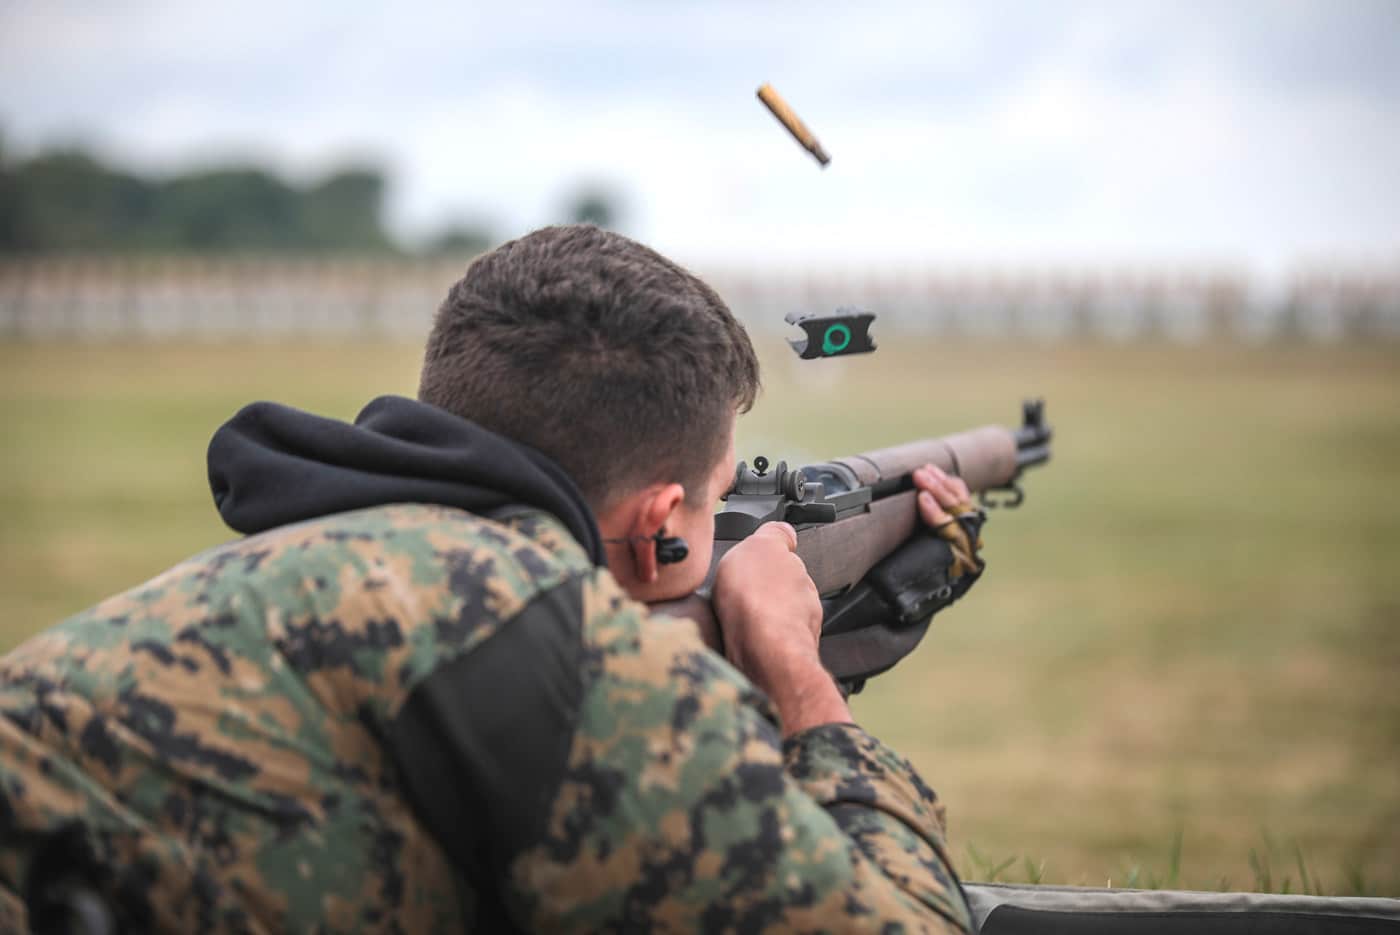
[{"x": 859, "y": 533}]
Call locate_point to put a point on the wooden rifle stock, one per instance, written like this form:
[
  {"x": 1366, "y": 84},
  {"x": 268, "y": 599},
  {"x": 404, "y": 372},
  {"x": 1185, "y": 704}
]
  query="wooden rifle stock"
[{"x": 875, "y": 504}]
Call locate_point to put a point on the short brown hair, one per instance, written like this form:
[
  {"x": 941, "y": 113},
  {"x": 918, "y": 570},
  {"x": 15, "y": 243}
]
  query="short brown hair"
[{"x": 611, "y": 359}]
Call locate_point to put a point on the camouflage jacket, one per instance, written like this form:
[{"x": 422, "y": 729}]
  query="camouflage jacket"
[{"x": 409, "y": 718}]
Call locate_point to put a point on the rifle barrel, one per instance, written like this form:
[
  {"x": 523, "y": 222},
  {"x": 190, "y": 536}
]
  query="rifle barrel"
[{"x": 1032, "y": 455}]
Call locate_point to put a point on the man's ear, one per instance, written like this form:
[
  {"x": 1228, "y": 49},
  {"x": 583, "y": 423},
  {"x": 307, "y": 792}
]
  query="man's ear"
[{"x": 656, "y": 509}]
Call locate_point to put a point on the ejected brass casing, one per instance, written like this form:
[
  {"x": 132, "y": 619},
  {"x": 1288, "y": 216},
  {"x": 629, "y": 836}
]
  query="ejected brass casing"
[{"x": 787, "y": 118}]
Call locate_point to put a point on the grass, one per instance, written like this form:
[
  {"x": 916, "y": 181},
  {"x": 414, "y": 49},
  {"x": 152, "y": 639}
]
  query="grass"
[
  {"x": 1191, "y": 631},
  {"x": 1263, "y": 861}
]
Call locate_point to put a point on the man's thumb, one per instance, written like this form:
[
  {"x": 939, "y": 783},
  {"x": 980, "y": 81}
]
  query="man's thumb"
[{"x": 780, "y": 531}]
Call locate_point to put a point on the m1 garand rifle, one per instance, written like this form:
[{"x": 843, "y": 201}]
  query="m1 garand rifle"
[{"x": 880, "y": 572}]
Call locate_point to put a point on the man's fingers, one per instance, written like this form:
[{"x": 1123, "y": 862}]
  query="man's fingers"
[
  {"x": 947, "y": 489},
  {"x": 931, "y": 512},
  {"x": 779, "y": 532},
  {"x": 942, "y": 494}
]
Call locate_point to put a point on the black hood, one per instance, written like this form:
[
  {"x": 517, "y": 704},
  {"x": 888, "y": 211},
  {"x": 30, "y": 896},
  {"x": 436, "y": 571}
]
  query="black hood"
[{"x": 271, "y": 465}]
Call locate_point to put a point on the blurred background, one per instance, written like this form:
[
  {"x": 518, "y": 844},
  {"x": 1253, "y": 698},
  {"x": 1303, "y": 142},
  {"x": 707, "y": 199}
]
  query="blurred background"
[{"x": 1179, "y": 223}]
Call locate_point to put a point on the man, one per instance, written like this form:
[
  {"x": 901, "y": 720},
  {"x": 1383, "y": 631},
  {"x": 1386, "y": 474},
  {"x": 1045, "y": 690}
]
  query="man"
[{"x": 422, "y": 694}]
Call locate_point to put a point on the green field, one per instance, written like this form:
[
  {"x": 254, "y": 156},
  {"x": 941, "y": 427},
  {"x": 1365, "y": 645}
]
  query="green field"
[{"x": 1186, "y": 630}]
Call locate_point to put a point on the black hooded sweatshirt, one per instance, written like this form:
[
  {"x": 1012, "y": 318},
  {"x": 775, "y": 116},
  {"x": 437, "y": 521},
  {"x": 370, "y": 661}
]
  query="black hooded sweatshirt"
[{"x": 271, "y": 465}]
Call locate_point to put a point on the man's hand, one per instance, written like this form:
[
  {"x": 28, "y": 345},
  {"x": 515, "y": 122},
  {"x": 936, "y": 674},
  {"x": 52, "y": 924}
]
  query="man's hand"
[
  {"x": 942, "y": 498},
  {"x": 940, "y": 493},
  {"x": 771, "y": 618}
]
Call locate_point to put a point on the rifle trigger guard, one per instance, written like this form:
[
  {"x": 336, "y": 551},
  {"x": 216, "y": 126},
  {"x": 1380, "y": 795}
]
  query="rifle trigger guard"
[{"x": 1015, "y": 497}]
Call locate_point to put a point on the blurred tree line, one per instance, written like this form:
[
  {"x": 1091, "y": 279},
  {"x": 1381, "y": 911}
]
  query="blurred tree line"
[{"x": 69, "y": 200}]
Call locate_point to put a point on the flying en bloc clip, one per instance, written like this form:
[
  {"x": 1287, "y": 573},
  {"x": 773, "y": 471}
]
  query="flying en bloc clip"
[{"x": 846, "y": 332}]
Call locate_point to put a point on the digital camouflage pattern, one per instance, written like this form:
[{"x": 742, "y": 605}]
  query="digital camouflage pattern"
[{"x": 216, "y": 733}]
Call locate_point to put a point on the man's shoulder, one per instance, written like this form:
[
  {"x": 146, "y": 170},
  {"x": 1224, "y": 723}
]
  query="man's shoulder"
[
  {"x": 412, "y": 544},
  {"x": 404, "y": 583},
  {"x": 429, "y": 562},
  {"x": 425, "y": 535},
  {"x": 271, "y": 669}
]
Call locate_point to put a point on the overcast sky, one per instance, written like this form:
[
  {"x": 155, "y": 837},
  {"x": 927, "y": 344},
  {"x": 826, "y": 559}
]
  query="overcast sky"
[{"x": 1258, "y": 133}]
